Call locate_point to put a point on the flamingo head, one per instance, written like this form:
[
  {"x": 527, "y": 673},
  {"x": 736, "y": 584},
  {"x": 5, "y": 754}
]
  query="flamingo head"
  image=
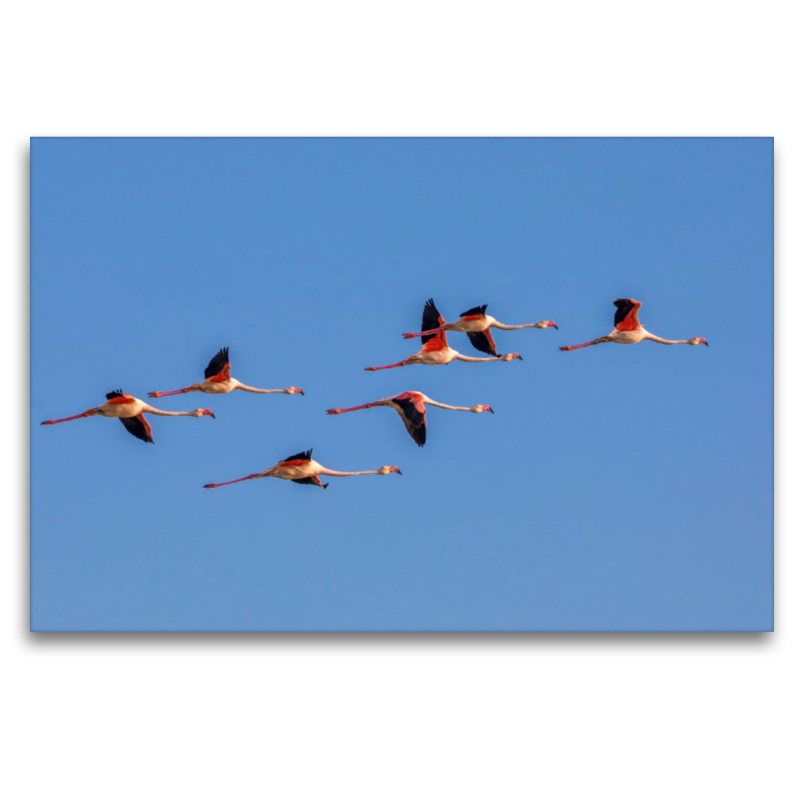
[
  {"x": 203, "y": 412},
  {"x": 548, "y": 323},
  {"x": 698, "y": 341},
  {"x": 478, "y": 409},
  {"x": 510, "y": 356},
  {"x": 295, "y": 390},
  {"x": 387, "y": 470}
]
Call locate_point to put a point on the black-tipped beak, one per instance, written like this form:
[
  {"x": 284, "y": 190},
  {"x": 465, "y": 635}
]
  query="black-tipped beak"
[
  {"x": 302, "y": 393},
  {"x": 399, "y": 473},
  {"x": 519, "y": 357},
  {"x": 555, "y": 326},
  {"x": 212, "y": 415},
  {"x": 705, "y": 343},
  {"x": 492, "y": 410}
]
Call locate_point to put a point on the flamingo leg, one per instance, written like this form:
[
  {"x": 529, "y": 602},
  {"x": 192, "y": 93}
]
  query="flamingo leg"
[
  {"x": 388, "y": 366},
  {"x": 585, "y": 344},
  {"x": 431, "y": 332},
  {"x": 354, "y": 408},
  {"x": 227, "y": 483},
  {"x": 167, "y": 394},
  {"x": 66, "y": 419}
]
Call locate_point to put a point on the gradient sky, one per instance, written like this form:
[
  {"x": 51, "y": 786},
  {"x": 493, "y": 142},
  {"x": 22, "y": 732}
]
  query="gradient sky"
[{"x": 615, "y": 488}]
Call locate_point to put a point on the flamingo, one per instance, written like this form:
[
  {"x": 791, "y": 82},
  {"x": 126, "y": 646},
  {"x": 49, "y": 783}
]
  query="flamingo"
[
  {"x": 628, "y": 329},
  {"x": 435, "y": 349},
  {"x": 411, "y": 408},
  {"x": 476, "y": 324},
  {"x": 218, "y": 381},
  {"x": 301, "y": 468},
  {"x": 130, "y": 412}
]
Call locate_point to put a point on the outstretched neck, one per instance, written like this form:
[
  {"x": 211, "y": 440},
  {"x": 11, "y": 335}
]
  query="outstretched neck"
[
  {"x": 503, "y": 327},
  {"x": 459, "y": 357},
  {"x": 261, "y": 391},
  {"x": 150, "y": 410},
  {"x": 450, "y": 408},
  {"x": 335, "y": 474},
  {"x": 665, "y": 341}
]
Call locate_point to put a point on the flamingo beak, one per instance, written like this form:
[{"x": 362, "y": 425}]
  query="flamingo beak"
[
  {"x": 553, "y": 325},
  {"x": 489, "y": 408}
]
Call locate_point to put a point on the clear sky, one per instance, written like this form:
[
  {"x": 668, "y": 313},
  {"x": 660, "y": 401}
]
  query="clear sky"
[{"x": 615, "y": 488}]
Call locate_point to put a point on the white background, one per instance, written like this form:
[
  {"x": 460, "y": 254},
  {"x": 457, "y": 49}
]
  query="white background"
[{"x": 396, "y": 716}]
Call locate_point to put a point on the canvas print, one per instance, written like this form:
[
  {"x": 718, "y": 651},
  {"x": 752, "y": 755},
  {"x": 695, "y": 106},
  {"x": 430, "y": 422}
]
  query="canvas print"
[{"x": 266, "y": 290}]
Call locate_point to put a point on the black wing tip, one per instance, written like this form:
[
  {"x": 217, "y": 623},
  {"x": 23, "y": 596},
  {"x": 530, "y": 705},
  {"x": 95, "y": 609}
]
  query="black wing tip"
[
  {"x": 476, "y": 310},
  {"x": 115, "y": 393},
  {"x": 481, "y": 344},
  {"x": 306, "y": 456},
  {"x": 430, "y": 319},
  {"x": 217, "y": 363},
  {"x": 135, "y": 428}
]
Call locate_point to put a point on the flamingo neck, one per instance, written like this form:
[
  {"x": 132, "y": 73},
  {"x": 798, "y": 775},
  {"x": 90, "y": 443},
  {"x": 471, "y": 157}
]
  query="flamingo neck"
[
  {"x": 503, "y": 327},
  {"x": 665, "y": 341},
  {"x": 449, "y": 408}
]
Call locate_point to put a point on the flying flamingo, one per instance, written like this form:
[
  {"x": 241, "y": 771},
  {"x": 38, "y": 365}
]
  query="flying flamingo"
[
  {"x": 435, "y": 349},
  {"x": 476, "y": 323},
  {"x": 218, "y": 381},
  {"x": 130, "y": 412},
  {"x": 411, "y": 408},
  {"x": 628, "y": 329},
  {"x": 301, "y": 468}
]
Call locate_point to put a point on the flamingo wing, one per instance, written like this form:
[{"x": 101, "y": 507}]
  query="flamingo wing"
[
  {"x": 483, "y": 341},
  {"x": 626, "y": 318},
  {"x": 475, "y": 313},
  {"x": 296, "y": 460},
  {"x": 219, "y": 365},
  {"x": 118, "y": 397},
  {"x": 413, "y": 413},
  {"x": 431, "y": 318},
  {"x": 313, "y": 481},
  {"x": 139, "y": 427}
]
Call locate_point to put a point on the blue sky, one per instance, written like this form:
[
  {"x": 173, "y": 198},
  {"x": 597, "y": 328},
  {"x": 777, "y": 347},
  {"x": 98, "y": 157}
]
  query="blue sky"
[{"x": 615, "y": 488}]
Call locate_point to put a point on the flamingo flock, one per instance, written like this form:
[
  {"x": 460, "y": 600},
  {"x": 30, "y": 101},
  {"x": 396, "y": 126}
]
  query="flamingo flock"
[{"x": 410, "y": 405}]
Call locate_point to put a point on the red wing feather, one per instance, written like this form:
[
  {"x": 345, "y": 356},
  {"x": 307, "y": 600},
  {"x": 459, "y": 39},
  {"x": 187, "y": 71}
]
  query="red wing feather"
[
  {"x": 296, "y": 460},
  {"x": 626, "y": 318},
  {"x": 436, "y": 342},
  {"x": 119, "y": 397},
  {"x": 223, "y": 376}
]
